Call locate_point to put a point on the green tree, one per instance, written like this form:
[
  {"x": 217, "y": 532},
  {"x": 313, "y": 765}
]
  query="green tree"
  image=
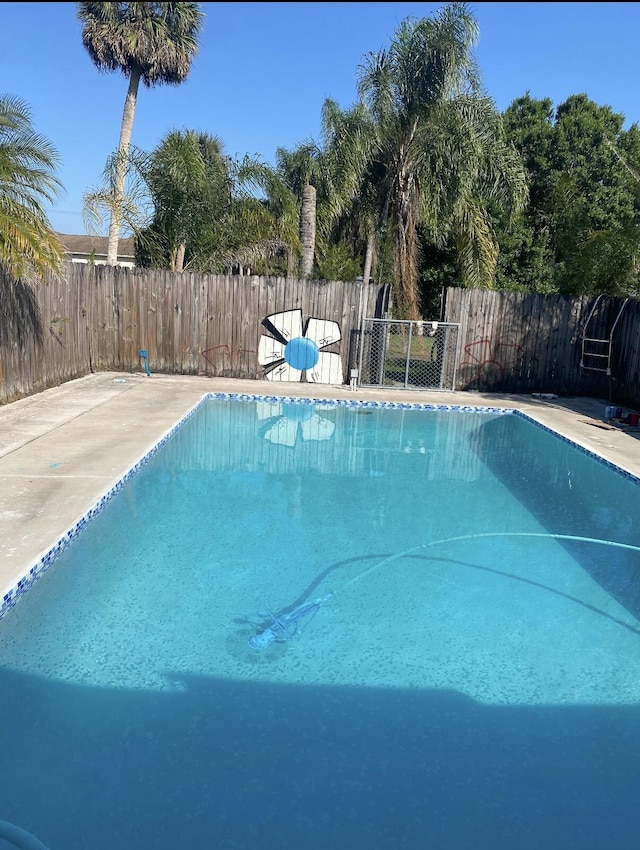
[
  {"x": 355, "y": 200},
  {"x": 336, "y": 212},
  {"x": 264, "y": 228},
  {"x": 591, "y": 189},
  {"x": 606, "y": 260},
  {"x": 336, "y": 262},
  {"x": 440, "y": 147},
  {"x": 150, "y": 42},
  {"x": 28, "y": 162},
  {"x": 211, "y": 213},
  {"x": 526, "y": 259},
  {"x": 578, "y": 232},
  {"x": 302, "y": 171},
  {"x": 189, "y": 181}
]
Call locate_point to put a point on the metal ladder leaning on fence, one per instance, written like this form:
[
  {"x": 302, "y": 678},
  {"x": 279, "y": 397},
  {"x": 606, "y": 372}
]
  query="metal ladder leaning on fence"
[{"x": 596, "y": 352}]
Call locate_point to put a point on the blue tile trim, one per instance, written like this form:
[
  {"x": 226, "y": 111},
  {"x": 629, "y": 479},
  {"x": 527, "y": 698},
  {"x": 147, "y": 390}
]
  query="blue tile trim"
[
  {"x": 272, "y": 399},
  {"x": 609, "y": 464},
  {"x": 11, "y": 597}
]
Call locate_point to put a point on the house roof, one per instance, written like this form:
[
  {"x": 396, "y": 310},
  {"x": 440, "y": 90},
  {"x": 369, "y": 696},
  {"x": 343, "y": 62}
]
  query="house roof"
[{"x": 82, "y": 244}]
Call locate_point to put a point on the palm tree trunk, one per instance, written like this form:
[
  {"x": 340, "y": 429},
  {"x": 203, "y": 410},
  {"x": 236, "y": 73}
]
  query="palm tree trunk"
[
  {"x": 406, "y": 263},
  {"x": 291, "y": 263},
  {"x": 121, "y": 166},
  {"x": 308, "y": 228},
  {"x": 368, "y": 257},
  {"x": 180, "y": 257}
]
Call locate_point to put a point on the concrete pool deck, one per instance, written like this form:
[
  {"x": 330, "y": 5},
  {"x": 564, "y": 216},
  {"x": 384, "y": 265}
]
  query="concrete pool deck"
[{"x": 64, "y": 448}]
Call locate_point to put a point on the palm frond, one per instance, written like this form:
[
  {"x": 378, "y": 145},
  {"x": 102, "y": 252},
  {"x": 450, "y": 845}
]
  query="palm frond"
[
  {"x": 476, "y": 244},
  {"x": 28, "y": 161},
  {"x": 135, "y": 207},
  {"x": 158, "y": 39}
]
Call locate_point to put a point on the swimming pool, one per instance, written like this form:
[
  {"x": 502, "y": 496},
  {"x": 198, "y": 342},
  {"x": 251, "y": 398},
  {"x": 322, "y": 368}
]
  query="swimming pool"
[{"x": 472, "y": 681}]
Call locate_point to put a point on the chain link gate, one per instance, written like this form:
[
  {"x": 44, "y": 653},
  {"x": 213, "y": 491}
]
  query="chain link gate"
[{"x": 407, "y": 354}]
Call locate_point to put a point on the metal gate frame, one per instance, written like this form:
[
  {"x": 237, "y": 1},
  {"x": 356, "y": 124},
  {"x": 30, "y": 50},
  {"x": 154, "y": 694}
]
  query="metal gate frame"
[{"x": 404, "y": 354}]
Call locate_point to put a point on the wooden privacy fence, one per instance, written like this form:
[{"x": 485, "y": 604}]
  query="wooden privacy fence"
[
  {"x": 520, "y": 343},
  {"x": 96, "y": 318}
]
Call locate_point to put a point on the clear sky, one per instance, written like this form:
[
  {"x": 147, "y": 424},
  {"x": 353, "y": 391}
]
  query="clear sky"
[{"x": 264, "y": 70}]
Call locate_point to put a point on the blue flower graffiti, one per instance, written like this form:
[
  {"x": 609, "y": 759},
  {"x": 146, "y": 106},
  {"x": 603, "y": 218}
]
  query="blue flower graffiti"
[{"x": 292, "y": 352}]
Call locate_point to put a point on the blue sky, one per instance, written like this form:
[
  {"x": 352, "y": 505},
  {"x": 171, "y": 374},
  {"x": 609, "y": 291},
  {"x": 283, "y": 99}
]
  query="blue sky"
[{"x": 264, "y": 70}]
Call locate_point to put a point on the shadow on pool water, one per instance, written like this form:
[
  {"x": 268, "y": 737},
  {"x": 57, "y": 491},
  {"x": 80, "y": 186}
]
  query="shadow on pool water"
[{"x": 225, "y": 764}]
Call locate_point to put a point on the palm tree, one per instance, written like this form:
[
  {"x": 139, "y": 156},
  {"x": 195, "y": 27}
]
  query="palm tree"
[
  {"x": 28, "y": 161},
  {"x": 265, "y": 217},
  {"x": 152, "y": 42},
  {"x": 438, "y": 148},
  {"x": 302, "y": 171},
  {"x": 208, "y": 212},
  {"x": 349, "y": 139},
  {"x": 189, "y": 180}
]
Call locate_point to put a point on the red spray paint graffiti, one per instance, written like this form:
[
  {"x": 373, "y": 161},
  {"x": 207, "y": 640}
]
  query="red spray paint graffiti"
[
  {"x": 225, "y": 362},
  {"x": 485, "y": 362}
]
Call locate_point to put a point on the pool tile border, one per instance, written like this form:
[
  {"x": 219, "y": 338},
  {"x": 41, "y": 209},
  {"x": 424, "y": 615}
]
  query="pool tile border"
[{"x": 24, "y": 583}]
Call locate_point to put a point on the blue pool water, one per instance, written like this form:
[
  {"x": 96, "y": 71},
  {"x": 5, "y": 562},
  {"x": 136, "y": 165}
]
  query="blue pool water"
[{"x": 472, "y": 679}]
